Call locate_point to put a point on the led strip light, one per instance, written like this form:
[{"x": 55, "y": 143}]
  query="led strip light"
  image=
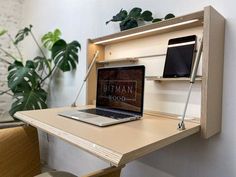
[
  {"x": 181, "y": 44},
  {"x": 148, "y": 31}
]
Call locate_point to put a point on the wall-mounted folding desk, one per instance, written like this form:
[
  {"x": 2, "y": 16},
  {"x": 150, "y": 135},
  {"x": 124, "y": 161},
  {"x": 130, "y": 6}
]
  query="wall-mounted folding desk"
[{"x": 120, "y": 144}]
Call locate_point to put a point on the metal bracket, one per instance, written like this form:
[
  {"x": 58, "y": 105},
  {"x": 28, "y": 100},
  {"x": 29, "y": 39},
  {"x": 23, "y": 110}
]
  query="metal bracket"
[{"x": 181, "y": 125}]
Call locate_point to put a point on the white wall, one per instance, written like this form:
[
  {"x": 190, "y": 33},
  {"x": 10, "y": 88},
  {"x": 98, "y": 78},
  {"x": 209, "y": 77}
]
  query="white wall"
[{"x": 192, "y": 157}]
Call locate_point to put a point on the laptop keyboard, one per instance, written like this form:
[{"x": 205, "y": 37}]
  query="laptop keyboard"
[{"x": 112, "y": 115}]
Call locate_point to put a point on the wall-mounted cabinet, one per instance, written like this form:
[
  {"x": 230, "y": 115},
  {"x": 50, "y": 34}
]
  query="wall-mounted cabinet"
[{"x": 151, "y": 40}]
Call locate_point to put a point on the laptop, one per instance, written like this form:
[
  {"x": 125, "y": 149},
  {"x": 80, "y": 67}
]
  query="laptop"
[{"x": 119, "y": 97}]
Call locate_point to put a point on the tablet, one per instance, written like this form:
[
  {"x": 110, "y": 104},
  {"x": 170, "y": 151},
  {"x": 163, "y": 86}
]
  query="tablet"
[{"x": 180, "y": 57}]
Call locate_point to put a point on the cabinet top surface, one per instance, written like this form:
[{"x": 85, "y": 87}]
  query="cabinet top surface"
[{"x": 173, "y": 24}]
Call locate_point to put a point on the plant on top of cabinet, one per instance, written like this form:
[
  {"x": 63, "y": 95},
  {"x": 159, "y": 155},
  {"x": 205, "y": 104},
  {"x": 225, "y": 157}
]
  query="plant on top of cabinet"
[
  {"x": 168, "y": 16},
  {"x": 131, "y": 19},
  {"x": 135, "y": 18}
]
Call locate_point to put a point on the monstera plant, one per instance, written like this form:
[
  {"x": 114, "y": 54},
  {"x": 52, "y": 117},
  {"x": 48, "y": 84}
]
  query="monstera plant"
[
  {"x": 26, "y": 78},
  {"x": 135, "y": 17}
]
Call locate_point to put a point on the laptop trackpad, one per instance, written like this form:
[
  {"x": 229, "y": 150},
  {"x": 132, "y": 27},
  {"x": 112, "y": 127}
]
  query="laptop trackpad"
[
  {"x": 87, "y": 117},
  {"x": 92, "y": 118},
  {"x": 84, "y": 115}
]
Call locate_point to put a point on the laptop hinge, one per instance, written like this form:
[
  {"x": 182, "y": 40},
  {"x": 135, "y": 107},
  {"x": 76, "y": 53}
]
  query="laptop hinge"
[{"x": 118, "y": 111}]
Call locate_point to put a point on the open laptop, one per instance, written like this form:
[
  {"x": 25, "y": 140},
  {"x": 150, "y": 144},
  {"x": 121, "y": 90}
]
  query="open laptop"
[{"x": 119, "y": 99}]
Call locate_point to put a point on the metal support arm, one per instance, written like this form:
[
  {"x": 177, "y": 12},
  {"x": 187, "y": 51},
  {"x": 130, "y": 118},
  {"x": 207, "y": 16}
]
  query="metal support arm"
[{"x": 181, "y": 125}]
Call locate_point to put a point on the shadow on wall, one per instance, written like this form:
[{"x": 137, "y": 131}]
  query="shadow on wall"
[
  {"x": 193, "y": 154},
  {"x": 62, "y": 87}
]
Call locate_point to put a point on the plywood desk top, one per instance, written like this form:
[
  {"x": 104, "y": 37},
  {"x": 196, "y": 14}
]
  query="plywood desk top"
[{"x": 118, "y": 144}]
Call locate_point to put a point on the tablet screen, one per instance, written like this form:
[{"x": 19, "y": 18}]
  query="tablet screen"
[{"x": 179, "y": 57}]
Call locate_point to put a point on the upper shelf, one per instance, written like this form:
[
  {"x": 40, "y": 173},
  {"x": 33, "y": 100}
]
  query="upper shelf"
[
  {"x": 128, "y": 59},
  {"x": 178, "y": 23},
  {"x": 118, "y": 60}
]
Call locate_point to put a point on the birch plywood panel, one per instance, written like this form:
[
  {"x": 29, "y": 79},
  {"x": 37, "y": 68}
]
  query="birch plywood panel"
[
  {"x": 213, "y": 55},
  {"x": 166, "y": 97},
  {"x": 110, "y": 143}
]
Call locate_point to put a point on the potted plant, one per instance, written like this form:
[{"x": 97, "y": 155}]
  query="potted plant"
[
  {"x": 131, "y": 19},
  {"x": 135, "y": 18},
  {"x": 27, "y": 78}
]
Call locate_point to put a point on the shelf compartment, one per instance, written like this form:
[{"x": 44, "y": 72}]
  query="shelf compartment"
[
  {"x": 160, "y": 79},
  {"x": 174, "y": 24},
  {"x": 129, "y": 59}
]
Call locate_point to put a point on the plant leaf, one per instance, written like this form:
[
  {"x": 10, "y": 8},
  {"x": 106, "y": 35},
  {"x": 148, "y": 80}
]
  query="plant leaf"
[
  {"x": 29, "y": 99},
  {"x": 168, "y": 16},
  {"x": 147, "y": 16},
  {"x": 128, "y": 24},
  {"x": 50, "y": 38},
  {"x": 65, "y": 55},
  {"x": 118, "y": 17},
  {"x": 30, "y": 64},
  {"x": 24, "y": 83},
  {"x": 135, "y": 13},
  {"x": 22, "y": 77},
  {"x": 157, "y": 20},
  {"x": 41, "y": 62},
  {"x": 22, "y": 34},
  {"x": 2, "y": 32}
]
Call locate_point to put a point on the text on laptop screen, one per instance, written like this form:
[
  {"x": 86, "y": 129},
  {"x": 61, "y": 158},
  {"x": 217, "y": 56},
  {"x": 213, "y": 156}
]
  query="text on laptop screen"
[{"x": 121, "y": 88}]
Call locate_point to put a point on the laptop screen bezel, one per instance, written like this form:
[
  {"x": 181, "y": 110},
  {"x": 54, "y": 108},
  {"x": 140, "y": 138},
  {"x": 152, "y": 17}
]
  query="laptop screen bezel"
[{"x": 142, "y": 97}]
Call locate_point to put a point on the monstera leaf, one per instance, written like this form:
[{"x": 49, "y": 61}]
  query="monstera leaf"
[
  {"x": 42, "y": 62},
  {"x": 29, "y": 99},
  {"x": 22, "y": 34},
  {"x": 2, "y": 32},
  {"x": 65, "y": 55},
  {"x": 50, "y": 38},
  {"x": 24, "y": 83},
  {"x": 22, "y": 77}
]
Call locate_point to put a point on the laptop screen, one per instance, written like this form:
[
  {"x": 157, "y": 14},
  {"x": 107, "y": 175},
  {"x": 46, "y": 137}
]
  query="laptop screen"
[{"x": 121, "y": 88}]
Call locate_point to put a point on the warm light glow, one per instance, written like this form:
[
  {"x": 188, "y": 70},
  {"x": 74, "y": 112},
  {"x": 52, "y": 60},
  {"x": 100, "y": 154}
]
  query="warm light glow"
[
  {"x": 148, "y": 31},
  {"x": 181, "y": 44}
]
